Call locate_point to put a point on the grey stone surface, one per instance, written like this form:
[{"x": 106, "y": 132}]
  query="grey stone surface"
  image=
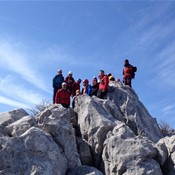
[
  {"x": 34, "y": 153},
  {"x": 169, "y": 166},
  {"x": 136, "y": 115},
  {"x": 113, "y": 136},
  {"x": 84, "y": 152},
  {"x": 20, "y": 126},
  {"x": 7, "y": 118},
  {"x": 85, "y": 170},
  {"x": 126, "y": 154},
  {"x": 56, "y": 121},
  {"x": 96, "y": 118}
]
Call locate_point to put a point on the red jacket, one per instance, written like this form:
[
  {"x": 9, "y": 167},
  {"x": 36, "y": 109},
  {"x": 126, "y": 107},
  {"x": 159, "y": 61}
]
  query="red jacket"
[
  {"x": 62, "y": 97},
  {"x": 70, "y": 83},
  {"x": 103, "y": 85},
  {"x": 128, "y": 71},
  {"x": 77, "y": 86}
]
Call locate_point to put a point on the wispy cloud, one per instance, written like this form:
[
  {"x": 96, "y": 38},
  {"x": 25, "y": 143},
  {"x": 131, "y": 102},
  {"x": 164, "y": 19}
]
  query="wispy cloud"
[
  {"x": 164, "y": 68},
  {"x": 11, "y": 102},
  {"x": 14, "y": 59},
  {"x": 18, "y": 92},
  {"x": 63, "y": 57},
  {"x": 168, "y": 109}
]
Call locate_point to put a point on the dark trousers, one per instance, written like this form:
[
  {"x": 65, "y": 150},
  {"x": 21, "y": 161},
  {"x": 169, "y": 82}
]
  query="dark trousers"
[
  {"x": 65, "y": 105},
  {"x": 127, "y": 81},
  {"x": 101, "y": 94}
]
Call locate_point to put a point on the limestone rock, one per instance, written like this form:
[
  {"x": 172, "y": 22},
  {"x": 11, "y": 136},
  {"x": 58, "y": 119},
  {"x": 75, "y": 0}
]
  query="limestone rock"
[
  {"x": 117, "y": 135},
  {"x": 162, "y": 150},
  {"x": 7, "y": 118},
  {"x": 34, "y": 153},
  {"x": 169, "y": 166},
  {"x": 84, "y": 152},
  {"x": 96, "y": 118},
  {"x": 56, "y": 121},
  {"x": 20, "y": 126},
  {"x": 169, "y": 142},
  {"x": 134, "y": 112},
  {"x": 124, "y": 154},
  {"x": 85, "y": 170}
]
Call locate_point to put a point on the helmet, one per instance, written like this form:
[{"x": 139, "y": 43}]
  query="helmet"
[
  {"x": 95, "y": 78},
  {"x": 111, "y": 78},
  {"x": 85, "y": 81},
  {"x": 109, "y": 74},
  {"x": 64, "y": 84},
  {"x": 59, "y": 70},
  {"x": 70, "y": 73},
  {"x": 79, "y": 80}
]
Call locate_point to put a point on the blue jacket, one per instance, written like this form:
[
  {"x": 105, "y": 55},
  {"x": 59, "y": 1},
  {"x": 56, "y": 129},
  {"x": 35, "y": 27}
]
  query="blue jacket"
[
  {"x": 57, "y": 81},
  {"x": 87, "y": 90}
]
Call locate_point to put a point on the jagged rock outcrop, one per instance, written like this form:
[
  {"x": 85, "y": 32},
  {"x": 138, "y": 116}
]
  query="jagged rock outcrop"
[
  {"x": 7, "y": 118},
  {"x": 34, "y": 152},
  {"x": 169, "y": 166},
  {"x": 12, "y": 116},
  {"x": 136, "y": 115},
  {"x": 114, "y": 136},
  {"x": 56, "y": 121},
  {"x": 20, "y": 126},
  {"x": 96, "y": 118},
  {"x": 124, "y": 153}
]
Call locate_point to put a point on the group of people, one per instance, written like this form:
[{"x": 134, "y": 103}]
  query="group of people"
[{"x": 64, "y": 88}]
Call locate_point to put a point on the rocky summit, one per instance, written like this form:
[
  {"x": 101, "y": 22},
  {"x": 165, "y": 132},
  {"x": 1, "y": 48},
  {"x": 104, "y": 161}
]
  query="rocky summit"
[{"x": 112, "y": 136}]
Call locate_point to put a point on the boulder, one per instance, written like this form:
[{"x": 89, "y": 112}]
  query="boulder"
[
  {"x": 169, "y": 166},
  {"x": 125, "y": 154},
  {"x": 84, "y": 152},
  {"x": 96, "y": 118},
  {"x": 162, "y": 151},
  {"x": 136, "y": 115},
  {"x": 7, "y": 118},
  {"x": 20, "y": 126},
  {"x": 56, "y": 121},
  {"x": 34, "y": 153}
]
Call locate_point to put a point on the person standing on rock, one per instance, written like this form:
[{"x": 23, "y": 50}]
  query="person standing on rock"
[
  {"x": 63, "y": 96},
  {"x": 103, "y": 85},
  {"x": 87, "y": 88},
  {"x": 111, "y": 77},
  {"x": 95, "y": 86},
  {"x": 70, "y": 83},
  {"x": 57, "y": 82},
  {"x": 128, "y": 73},
  {"x": 77, "y": 84}
]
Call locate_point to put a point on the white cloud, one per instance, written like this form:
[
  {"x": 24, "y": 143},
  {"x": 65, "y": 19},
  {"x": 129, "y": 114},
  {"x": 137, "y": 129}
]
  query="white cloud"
[
  {"x": 14, "y": 59},
  {"x": 168, "y": 111},
  {"x": 165, "y": 67},
  {"x": 10, "y": 102},
  {"x": 18, "y": 92}
]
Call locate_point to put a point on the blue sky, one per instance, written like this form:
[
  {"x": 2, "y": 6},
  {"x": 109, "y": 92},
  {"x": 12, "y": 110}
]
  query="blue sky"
[{"x": 39, "y": 37}]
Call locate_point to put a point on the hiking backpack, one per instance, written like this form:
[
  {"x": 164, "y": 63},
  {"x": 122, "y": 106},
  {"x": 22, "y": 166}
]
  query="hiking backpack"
[{"x": 134, "y": 70}]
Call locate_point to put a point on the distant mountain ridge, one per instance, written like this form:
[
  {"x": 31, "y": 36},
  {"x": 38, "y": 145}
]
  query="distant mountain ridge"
[{"x": 114, "y": 136}]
